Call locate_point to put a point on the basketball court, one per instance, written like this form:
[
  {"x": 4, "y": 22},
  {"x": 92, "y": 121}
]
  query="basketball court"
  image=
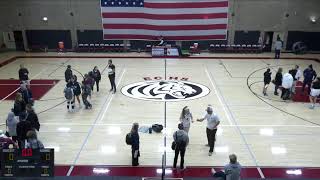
[{"x": 261, "y": 131}]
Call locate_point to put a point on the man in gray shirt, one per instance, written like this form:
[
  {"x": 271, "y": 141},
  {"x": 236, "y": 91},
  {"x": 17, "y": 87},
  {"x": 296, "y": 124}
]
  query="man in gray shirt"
[
  {"x": 232, "y": 171},
  {"x": 278, "y": 47}
]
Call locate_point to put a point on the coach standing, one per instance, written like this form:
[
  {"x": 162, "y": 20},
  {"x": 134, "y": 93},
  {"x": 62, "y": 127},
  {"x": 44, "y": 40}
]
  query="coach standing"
[
  {"x": 112, "y": 76},
  {"x": 212, "y": 124}
]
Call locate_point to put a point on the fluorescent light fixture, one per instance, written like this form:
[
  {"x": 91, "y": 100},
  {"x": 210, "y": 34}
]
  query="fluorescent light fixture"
[
  {"x": 167, "y": 171},
  {"x": 296, "y": 172},
  {"x": 108, "y": 150},
  {"x": 221, "y": 149},
  {"x": 219, "y": 131},
  {"x": 278, "y": 150},
  {"x": 266, "y": 132},
  {"x": 63, "y": 129},
  {"x": 114, "y": 130},
  {"x": 100, "y": 170},
  {"x": 163, "y": 149},
  {"x": 313, "y": 19},
  {"x": 56, "y": 148},
  {"x": 45, "y": 18}
]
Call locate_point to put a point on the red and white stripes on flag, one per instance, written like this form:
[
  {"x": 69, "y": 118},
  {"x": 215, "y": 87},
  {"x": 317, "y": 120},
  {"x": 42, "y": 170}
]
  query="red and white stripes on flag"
[{"x": 172, "y": 19}]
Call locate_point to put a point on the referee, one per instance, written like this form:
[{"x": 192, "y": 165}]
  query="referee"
[{"x": 112, "y": 76}]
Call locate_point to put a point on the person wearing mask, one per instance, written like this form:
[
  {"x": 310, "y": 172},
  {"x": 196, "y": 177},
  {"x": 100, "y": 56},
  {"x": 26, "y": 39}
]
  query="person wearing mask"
[
  {"x": 96, "y": 76},
  {"x": 23, "y": 74},
  {"x": 135, "y": 144},
  {"x": 32, "y": 117},
  {"x": 213, "y": 122},
  {"x": 278, "y": 47},
  {"x": 287, "y": 82},
  {"x": 11, "y": 123},
  {"x": 309, "y": 75},
  {"x": 277, "y": 81},
  {"x": 19, "y": 105},
  {"x": 22, "y": 128},
  {"x": 5, "y": 141},
  {"x": 314, "y": 93},
  {"x": 76, "y": 89},
  {"x": 181, "y": 140},
  {"x": 186, "y": 118},
  {"x": 68, "y": 74},
  {"x": 112, "y": 76},
  {"x": 32, "y": 141},
  {"x": 266, "y": 80},
  {"x": 231, "y": 171}
]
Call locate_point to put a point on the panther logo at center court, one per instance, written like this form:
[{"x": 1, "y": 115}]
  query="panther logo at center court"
[{"x": 165, "y": 90}]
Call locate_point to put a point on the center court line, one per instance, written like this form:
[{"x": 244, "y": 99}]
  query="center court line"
[
  {"x": 19, "y": 86},
  {"x": 235, "y": 122},
  {"x": 105, "y": 106}
]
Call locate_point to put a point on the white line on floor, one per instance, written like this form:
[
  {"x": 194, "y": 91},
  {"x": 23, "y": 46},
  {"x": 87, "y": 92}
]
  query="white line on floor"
[
  {"x": 236, "y": 124},
  {"x": 99, "y": 117},
  {"x": 19, "y": 87},
  {"x": 219, "y": 97}
]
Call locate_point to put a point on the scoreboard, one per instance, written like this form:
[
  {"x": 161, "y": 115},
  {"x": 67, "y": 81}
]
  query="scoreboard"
[{"x": 27, "y": 162}]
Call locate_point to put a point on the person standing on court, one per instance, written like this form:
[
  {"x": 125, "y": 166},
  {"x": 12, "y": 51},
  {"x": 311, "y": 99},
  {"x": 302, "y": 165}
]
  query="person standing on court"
[
  {"x": 96, "y": 76},
  {"x": 112, "y": 76},
  {"x": 135, "y": 144},
  {"x": 181, "y": 140},
  {"x": 278, "y": 47},
  {"x": 213, "y": 122},
  {"x": 314, "y": 93},
  {"x": 68, "y": 74},
  {"x": 186, "y": 118},
  {"x": 287, "y": 82},
  {"x": 277, "y": 81},
  {"x": 309, "y": 75},
  {"x": 266, "y": 80},
  {"x": 23, "y": 74}
]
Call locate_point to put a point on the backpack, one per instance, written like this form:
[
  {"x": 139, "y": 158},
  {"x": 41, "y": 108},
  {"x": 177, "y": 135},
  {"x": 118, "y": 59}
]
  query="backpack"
[
  {"x": 157, "y": 128},
  {"x": 68, "y": 93},
  {"x": 129, "y": 139}
]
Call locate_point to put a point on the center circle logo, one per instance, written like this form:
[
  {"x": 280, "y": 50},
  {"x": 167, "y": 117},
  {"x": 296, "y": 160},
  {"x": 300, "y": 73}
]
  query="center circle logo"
[{"x": 165, "y": 90}]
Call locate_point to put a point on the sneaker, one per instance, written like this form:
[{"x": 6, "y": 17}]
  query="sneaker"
[{"x": 210, "y": 154}]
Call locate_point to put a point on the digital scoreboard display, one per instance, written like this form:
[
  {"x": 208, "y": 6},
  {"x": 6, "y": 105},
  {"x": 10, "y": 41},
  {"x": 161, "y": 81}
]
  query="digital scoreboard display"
[{"x": 27, "y": 162}]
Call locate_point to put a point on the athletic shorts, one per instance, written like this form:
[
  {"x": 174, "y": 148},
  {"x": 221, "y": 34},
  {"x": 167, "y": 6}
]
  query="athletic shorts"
[{"x": 315, "y": 92}]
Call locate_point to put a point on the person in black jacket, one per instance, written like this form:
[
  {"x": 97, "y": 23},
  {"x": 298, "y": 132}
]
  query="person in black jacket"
[
  {"x": 22, "y": 128},
  {"x": 68, "y": 74},
  {"x": 32, "y": 117},
  {"x": 135, "y": 144},
  {"x": 96, "y": 76},
  {"x": 266, "y": 80},
  {"x": 76, "y": 88},
  {"x": 278, "y": 81},
  {"x": 309, "y": 75},
  {"x": 23, "y": 73},
  {"x": 112, "y": 76},
  {"x": 19, "y": 105}
]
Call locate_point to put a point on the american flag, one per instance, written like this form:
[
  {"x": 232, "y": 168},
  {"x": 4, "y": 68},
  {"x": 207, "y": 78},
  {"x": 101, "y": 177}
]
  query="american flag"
[{"x": 172, "y": 19}]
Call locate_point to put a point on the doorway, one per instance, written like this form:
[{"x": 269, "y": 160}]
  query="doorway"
[
  {"x": 18, "y": 37},
  {"x": 268, "y": 37}
]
